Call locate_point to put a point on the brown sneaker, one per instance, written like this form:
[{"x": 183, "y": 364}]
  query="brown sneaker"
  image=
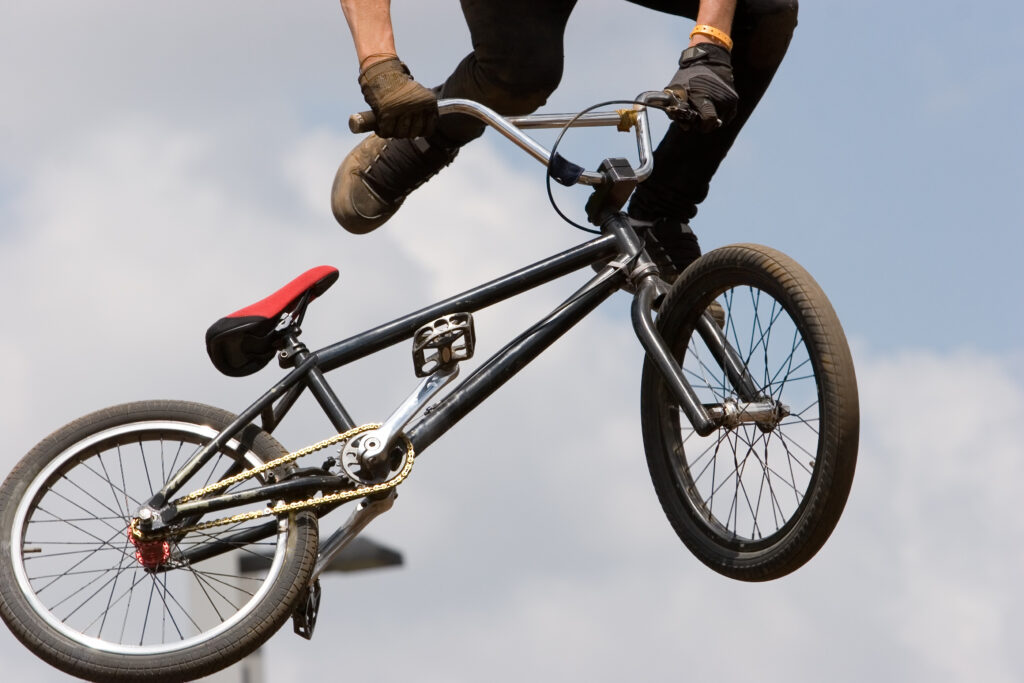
[{"x": 376, "y": 176}]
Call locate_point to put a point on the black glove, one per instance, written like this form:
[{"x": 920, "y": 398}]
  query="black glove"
[
  {"x": 404, "y": 108},
  {"x": 704, "y": 80}
]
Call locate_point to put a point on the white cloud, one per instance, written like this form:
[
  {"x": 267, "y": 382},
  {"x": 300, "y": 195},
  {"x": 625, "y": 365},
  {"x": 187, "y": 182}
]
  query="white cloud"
[
  {"x": 531, "y": 531},
  {"x": 942, "y": 453},
  {"x": 157, "y": 192},
  {"x": 531, "y": 534},
  {"x": 920, "y": 579}
]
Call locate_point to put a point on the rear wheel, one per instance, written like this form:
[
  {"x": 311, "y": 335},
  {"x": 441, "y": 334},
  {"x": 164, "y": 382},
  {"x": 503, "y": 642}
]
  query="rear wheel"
[
  {"x": 756, "y": 498},
  {"x": 87, "y": 599}
]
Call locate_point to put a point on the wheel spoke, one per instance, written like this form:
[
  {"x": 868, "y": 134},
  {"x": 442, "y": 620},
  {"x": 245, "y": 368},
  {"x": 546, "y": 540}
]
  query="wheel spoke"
[
  {"x": 751, "y": 498},
  {"x": 123, "y": 512},
  {"x": 104, "y": 543},
  {"x": 83, "y": 569},
  {"x": 77, "y": 505},
  {"x": 749, "y": 494}
]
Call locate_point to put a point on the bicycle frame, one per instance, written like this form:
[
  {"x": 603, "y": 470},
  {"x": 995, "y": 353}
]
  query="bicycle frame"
[{"x": 619, "y": 242}]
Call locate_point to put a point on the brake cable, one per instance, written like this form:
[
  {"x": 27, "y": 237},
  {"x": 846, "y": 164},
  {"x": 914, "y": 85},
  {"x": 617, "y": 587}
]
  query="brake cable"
[{"x": 558, "y": 162}]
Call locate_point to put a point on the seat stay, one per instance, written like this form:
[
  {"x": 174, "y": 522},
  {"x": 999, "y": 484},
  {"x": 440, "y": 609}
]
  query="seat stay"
[{"x": 284, "y": 388}]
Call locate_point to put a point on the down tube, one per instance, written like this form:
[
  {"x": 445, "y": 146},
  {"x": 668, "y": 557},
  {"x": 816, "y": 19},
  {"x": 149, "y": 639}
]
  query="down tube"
[{"x": 511, "y": 359}]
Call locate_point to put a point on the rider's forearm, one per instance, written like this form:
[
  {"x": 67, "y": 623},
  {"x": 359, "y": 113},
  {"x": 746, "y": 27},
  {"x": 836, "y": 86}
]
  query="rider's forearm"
[
  {"x": 715, "y": 13},
  {"x": 370, "y": 23}
]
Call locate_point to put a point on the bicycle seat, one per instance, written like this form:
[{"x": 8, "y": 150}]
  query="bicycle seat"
[{"x": 244, "y": 342}]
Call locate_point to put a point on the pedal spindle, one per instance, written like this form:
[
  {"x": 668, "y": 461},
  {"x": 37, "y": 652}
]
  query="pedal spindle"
[{"x": 449, "y": 339}]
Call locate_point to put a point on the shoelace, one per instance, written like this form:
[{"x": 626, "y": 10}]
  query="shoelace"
[{"x": 403, "y": 165}]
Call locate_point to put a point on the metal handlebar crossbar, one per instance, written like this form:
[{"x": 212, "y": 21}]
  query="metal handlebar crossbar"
[{"x": 512, "y": 127}]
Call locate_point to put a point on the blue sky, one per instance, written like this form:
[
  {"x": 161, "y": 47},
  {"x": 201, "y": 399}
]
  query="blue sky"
[{"x": 162, "y": 165}]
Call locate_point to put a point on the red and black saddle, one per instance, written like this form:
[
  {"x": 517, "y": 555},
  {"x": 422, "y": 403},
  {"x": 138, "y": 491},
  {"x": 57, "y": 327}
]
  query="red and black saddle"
[{"x": 245, "y": 341}]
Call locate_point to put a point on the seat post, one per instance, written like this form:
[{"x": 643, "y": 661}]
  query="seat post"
[
  {"x": 290, "y": 351},
  {"x": 294, "y": 353}
]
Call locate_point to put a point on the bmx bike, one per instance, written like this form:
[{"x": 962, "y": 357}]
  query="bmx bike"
[{"x": 166, "y": 540}]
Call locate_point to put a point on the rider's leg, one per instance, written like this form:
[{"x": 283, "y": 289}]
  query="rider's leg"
[
  {"x": 515, "y": 64},
  {"x": 684, "y": 161}
]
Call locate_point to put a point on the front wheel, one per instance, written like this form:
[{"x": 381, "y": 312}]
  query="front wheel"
[
  {"x": 759, "y": 496},
  {"x": 83, "y": 596}
]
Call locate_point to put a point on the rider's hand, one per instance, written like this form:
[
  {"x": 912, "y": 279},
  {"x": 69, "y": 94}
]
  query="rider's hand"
[
  {"x": 704, "y": 80},
  {"x": 404, "y": 108}
]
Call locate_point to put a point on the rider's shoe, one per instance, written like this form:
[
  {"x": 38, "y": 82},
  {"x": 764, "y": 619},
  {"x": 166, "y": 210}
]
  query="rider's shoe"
[{"x": 376, "y": 176}]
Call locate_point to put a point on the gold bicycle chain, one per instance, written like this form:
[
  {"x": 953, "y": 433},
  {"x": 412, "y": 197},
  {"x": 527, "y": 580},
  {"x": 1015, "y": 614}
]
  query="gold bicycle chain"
[{"x": 281, "y": 507}]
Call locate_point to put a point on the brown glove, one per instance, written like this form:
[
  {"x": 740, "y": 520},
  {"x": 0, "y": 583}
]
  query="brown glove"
[{"x": 404, "y": 108}]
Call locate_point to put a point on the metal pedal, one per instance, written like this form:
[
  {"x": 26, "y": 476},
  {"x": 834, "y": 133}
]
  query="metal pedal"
[
  {"x": 306, "y": 609},
  {"x": 442, "y": 343}
]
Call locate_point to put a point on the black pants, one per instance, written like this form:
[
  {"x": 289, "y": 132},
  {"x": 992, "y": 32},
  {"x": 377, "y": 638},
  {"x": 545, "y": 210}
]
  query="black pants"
[{"x": 516, "y": 64}]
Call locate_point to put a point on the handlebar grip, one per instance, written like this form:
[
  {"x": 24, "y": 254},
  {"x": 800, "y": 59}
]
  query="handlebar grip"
[{"x": 363, "y": 122}]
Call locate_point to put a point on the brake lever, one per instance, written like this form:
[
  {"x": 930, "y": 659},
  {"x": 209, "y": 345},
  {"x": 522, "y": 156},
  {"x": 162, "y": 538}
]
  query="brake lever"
[
  {"x": 681, "y": 111},
  {"x": 678, "y": 109}
]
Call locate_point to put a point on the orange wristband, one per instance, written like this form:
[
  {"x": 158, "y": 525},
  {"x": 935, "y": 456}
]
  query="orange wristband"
[{"x": 712, "y": 32}]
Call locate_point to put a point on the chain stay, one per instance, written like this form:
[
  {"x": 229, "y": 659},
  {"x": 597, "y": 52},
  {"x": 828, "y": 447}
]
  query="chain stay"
[{"x": 282, "y": 507}]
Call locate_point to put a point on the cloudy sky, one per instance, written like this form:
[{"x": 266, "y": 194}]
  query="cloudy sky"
[{"x": 163, "y": 164}]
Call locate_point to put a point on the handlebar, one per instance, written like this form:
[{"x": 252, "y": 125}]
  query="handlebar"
[{"x": 512, "y": 127}]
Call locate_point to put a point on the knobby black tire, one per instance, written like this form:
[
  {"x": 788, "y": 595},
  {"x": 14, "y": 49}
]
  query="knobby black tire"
[
  {"x": 788, "y": 488},
  {"x": 87, "y": 545}
]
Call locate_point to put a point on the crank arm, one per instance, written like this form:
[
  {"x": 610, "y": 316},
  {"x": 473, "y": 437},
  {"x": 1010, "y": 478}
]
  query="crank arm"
[
  {"x": 367, "y": 510},
  {"x": 378, "y": 442}
]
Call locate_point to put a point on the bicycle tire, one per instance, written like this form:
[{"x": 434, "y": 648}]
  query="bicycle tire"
[
  {"x": 72, "y": 587},
  {"x": 780, "y": 491}
]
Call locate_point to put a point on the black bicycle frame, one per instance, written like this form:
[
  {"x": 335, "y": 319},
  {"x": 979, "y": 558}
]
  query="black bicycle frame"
[
  {"x": 310, "y": 367},
  {"x": 613, "y": 183}
]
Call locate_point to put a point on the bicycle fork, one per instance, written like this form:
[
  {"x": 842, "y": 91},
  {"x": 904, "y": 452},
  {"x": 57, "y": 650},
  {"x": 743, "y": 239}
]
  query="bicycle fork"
[{"x": 704, "y": 419}]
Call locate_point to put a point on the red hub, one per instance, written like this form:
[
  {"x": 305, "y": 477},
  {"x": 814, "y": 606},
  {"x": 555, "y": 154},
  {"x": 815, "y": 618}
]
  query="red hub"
[{"x": 150, "y": 554}]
